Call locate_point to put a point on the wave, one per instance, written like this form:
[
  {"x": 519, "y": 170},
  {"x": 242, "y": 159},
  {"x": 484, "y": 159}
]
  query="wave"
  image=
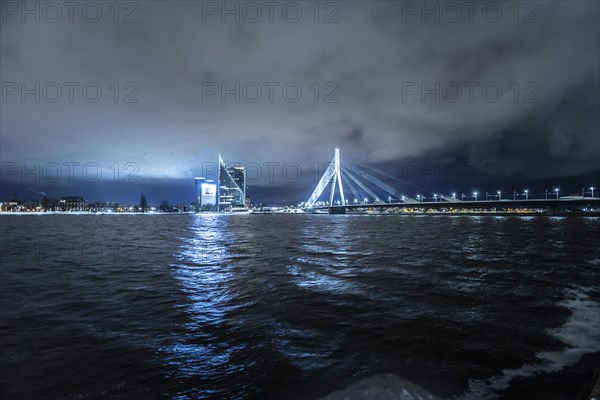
[
  {"x": 579, "y": 333},
  {"x": 323, "y": 282}
]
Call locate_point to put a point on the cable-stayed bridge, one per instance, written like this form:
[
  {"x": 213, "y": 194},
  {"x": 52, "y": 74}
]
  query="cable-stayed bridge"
[
  {"x": 355, "y": 185},
  {"x": 363, "y": 184}
]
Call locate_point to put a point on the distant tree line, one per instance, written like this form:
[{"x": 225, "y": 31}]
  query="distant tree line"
[{"x": 143, "y": 203}]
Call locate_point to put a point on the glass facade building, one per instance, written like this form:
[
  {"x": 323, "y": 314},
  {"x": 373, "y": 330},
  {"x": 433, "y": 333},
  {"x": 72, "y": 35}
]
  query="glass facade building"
[
  {"x": 227, "y": 193},
  {"x": 232, "y": 187}
]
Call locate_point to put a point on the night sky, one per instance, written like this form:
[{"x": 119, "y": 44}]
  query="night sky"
[{"x": 508, "y": 95}]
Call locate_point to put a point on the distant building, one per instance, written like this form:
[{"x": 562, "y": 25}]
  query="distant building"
[
  {"x": 72, "y": 203},
  {"x": 231, "y": 187},
  {"x": 9, "y": 206},
  {"x": 205, "y": 194},
  {"x": 20, "y": 206},
  {"x": 226, "y": 194}
]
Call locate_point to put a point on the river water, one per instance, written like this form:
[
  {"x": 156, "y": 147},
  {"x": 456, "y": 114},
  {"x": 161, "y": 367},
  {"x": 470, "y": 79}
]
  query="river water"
[{"x": 296, "y": 306}]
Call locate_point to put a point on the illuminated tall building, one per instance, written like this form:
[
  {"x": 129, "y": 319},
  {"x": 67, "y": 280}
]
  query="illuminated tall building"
[
  {"x": 205, "y": 194},
  {"x": 232, "y": 187}
]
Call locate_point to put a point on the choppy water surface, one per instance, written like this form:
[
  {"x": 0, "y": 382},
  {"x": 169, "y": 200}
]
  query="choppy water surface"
[{"x": 295, "y": 306}]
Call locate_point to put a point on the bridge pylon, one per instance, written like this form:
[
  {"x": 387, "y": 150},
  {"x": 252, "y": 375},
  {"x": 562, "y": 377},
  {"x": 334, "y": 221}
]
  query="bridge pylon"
[{"x": 331, "y": 175}]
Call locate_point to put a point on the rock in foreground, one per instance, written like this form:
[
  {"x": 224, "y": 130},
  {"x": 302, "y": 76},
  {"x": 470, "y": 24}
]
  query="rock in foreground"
[{"x": 382, "y": 387}]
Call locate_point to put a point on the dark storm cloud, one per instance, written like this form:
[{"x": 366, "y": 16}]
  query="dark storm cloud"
[{"x": 375, "y": 54}]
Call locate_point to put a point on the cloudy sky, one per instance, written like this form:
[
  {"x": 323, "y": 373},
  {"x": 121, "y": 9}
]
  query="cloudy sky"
[{"x": 259, "y": 82}]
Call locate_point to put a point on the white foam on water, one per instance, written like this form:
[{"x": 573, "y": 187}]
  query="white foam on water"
[
  {"x": 580, "y": 334},
  {"x": 322, "y": 282}
]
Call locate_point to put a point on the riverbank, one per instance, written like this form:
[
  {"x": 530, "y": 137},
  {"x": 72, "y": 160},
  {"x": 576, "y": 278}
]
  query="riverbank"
[{"x": 475, "y": 214}]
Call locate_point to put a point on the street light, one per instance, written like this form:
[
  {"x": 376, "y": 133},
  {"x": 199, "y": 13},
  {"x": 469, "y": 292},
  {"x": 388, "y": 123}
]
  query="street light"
[
  {"x": 592, "y": 189},
  {"x": 462, "y": 196},
  {"x": 454, "y": 196},
  {"x": 475, "y": 194},
  {"x": 526, "y": 194},
  {"x": 556, "y": 190},
  {"x": 514, "y": 195},
  {"x": 403, "y": 198},
  {"x": 355, "y": 201},
  {"x": 390, "y": 199},
  {"x": 499, "y": 195},
  {"x": 435, "y": 198},
  {"x": 419, "y": 198},
  {"x": 486, "y": 196},
  {"x": 365, "y": 200}
]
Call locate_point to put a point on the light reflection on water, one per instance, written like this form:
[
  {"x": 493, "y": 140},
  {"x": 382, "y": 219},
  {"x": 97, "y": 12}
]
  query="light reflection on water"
[{"x": 205, "y": 277}]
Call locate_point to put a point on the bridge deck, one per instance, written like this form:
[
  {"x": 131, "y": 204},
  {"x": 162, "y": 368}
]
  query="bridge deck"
[{"x": 556, "y": 204}]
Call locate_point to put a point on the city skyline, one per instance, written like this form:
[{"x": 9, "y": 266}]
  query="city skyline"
[
  {"x": 284, "y": 191},
  {"x": 416, "y": 180}
]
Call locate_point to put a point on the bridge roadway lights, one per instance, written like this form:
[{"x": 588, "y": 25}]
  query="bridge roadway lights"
[{"x": 337, "y": 210}]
